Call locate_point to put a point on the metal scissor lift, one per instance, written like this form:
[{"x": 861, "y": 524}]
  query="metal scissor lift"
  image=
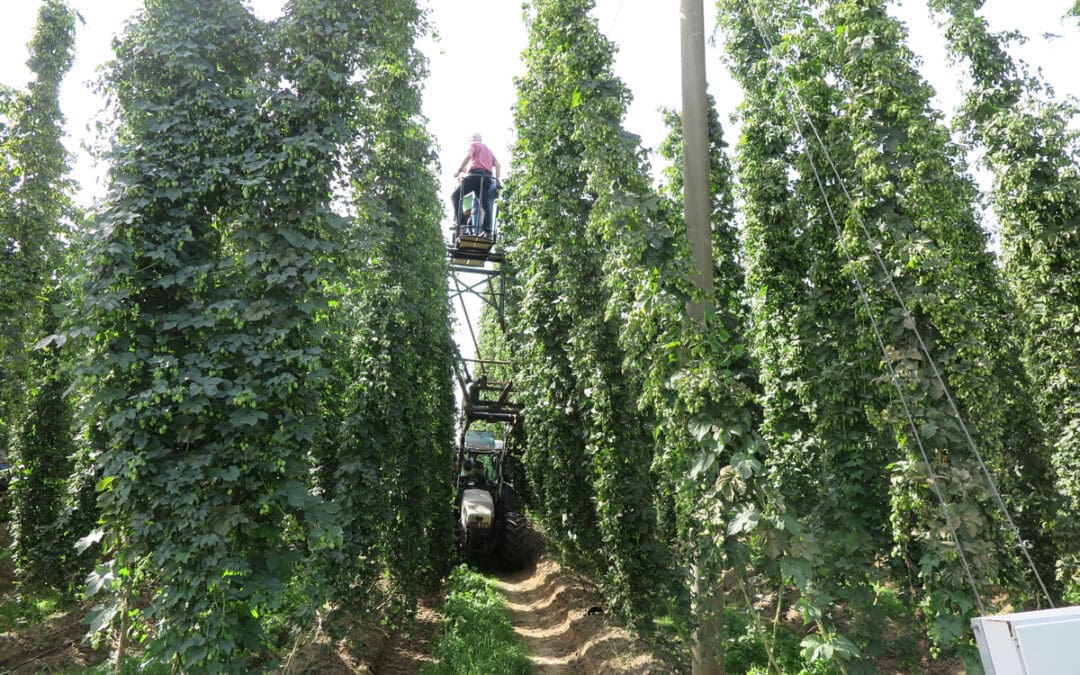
[
  {"x": 476, "y": 268},
  {"x": 489, "y": 526}
]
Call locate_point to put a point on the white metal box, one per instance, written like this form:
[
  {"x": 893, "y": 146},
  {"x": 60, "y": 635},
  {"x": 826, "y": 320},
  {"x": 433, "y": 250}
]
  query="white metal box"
[{"x": 1045, "y": 642}]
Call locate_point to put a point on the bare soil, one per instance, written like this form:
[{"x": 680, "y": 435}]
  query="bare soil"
[
  {"x": 562, "y": 622},
  {"x": 408, "y": 650},
  {"x": 367, "y": 647},
  {"x": 52, "y": 645}
]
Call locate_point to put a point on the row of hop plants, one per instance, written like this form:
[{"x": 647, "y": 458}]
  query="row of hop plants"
[
  {"x": 37, "y": 211},
  {"x": 810, "y": 438},
  {"x": 241, "y": 414},
  {"x": 264, "y": 365}
]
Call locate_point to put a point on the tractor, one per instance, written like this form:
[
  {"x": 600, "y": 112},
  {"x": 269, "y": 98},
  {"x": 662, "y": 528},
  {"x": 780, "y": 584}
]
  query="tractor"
[{"x": 490, "y": 528}]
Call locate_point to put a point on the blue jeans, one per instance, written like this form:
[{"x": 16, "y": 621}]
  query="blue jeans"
[{"x": 482, "y": 183}]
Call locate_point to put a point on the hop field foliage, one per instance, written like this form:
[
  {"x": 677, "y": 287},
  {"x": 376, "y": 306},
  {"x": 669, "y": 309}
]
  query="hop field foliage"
[{"x": 260, "y": 429}]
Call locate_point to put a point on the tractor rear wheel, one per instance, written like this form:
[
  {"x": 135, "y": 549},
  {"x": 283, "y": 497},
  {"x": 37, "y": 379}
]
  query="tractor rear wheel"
[{"x": 514, "y": 552}]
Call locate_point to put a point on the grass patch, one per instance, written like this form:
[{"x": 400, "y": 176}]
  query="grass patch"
[
  {"x": 745, "y": 648},
  {"x": 477, "y": 638},
  {"x": 132, "y": 666},
  {"x": 20, "y": 610}
]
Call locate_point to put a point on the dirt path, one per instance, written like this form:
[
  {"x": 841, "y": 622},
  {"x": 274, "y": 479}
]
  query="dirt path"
[
  {"x": 563, "y": 625},
  {"x": 54, "y": 644},
  {"x": 410, "y": 649},
  {"x": 363, "y": 647}
]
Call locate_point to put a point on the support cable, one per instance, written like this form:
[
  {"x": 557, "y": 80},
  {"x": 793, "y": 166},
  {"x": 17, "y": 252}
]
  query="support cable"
[
  {"x": 1021, "y": 543},
  {"x": 896, "y": 292},
  {"x": 877, "y": 332}
]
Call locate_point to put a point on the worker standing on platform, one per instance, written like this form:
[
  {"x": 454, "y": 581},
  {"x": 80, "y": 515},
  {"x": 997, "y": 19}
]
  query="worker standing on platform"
[{"x": 477, "y": 168}]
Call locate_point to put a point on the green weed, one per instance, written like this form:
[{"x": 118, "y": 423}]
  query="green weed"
[
  {"x": 478, "y": 638},
  {"x": 19, "y": 610},
  {"x": 131, "y": 666}
]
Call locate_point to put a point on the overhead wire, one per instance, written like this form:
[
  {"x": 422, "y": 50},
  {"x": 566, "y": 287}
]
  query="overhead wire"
[
  {"x": 932, "y": 476},
  {"x": 615, "y": 19}
]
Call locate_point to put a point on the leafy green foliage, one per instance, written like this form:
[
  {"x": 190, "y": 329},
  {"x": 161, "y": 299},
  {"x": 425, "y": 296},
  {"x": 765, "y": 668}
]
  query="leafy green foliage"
[
  {"x": 580, "y": 211},
  {"x": 698, "y": 381},
  {"x": 18, "y": 610},
  {"x": 543, "y": 221},
  {"x": 45, "y": 447},
  {"x": 832, "y": 416},
  {"x": 388, "y": 459},
  {"x": 199, "y": 305},
  {"x": 577, "y": 212},
  {"x": 214, "y": 265},
  {"x": 477, "y": 635},
  {"x": 1033, "y": 155},
  {"x": 746, "y": 649},
  {"x": 268, "y": 349},
  {"x": 814, "y": 369},
  {"x": 35, "y": 198},
  {"x": 35, "y": 206},
  {"x": 130, "y": 666},
  {"x": 602, "y": 341}
]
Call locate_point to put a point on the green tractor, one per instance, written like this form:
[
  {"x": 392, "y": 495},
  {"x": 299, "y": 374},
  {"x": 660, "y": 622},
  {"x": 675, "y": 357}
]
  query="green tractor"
[{"x": 490, "y": 527}]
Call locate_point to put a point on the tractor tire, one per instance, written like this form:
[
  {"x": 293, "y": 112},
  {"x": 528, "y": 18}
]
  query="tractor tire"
[
  {"x": 514, "y": 551},
  {"x": 508, "y": 501}
]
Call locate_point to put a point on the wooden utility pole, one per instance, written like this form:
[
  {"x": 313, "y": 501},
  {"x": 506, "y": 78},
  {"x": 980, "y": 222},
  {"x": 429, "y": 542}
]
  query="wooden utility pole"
[
  {"x": 695, "y": 123},
  {"x": 707, "y": 657}
]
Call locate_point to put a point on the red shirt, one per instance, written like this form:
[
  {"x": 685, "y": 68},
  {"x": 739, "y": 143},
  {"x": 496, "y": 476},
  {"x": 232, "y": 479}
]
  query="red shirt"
[{"x": 480, "y": 157}]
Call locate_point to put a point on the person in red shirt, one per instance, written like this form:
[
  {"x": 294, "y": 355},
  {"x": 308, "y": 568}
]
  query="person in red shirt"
[{"x": 477, "y": 170}]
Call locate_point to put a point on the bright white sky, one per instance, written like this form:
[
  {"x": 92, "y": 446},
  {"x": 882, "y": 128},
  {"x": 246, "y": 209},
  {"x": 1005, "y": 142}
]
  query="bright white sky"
[{"x": 486, "y": 37}]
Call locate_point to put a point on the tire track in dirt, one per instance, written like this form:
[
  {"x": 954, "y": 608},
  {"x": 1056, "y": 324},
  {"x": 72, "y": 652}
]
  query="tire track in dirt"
[{"x": 550, "y": 611}]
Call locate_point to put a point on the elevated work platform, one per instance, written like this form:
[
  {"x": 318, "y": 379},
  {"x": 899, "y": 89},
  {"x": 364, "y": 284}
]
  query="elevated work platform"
[
  {"x": 472, "y": 251},
  {"x": 476, "y": 269}
]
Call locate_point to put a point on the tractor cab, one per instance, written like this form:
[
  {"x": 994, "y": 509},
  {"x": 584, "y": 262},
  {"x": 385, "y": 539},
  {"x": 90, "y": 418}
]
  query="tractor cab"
[
  {"x": 481, "y": 467},
  {"x": 480, "y": 463}
]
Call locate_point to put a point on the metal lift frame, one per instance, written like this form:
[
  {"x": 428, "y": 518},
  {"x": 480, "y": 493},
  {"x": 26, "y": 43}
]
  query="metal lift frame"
[{"x": 478, "y": 271}]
